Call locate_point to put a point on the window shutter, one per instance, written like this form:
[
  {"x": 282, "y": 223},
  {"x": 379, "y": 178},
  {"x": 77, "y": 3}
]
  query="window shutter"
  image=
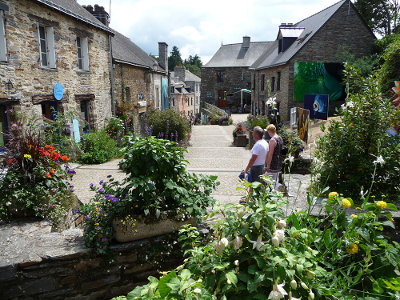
[
  {"x": 3, "y": 48},
  {"x": 85, "y": 53},
  {"x": 50, "y": 47}
]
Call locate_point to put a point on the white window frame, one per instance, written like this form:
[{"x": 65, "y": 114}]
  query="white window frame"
[
  {"x": 48, "y": 40},
  {"x": 82, "y": 53},
  {"x": 3, "y": 41}
]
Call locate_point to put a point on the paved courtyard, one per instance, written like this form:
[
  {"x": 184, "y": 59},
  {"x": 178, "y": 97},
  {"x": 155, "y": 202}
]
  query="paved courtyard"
[{"x": 212, "y": 153}]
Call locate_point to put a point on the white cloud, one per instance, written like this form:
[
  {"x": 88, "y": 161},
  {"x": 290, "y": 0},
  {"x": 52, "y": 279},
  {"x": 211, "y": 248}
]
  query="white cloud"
[{"x": 200, "y": 27}]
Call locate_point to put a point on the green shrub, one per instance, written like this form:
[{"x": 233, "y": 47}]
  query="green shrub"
[
  {"x": 253, "y": 121},
  {"x": 36, "y": 179},
  {"x": 157, "y": 185},
  {"x": 291, "y": 140},
  {"x": 254, "y": 252},
  {"x": 347, "y": 156},
  {"x": 98, "y": 147},
  {"x": 390, "y": 69},
  {"x": 168, "y": 125},
  {"x": 115, "y": 129}
]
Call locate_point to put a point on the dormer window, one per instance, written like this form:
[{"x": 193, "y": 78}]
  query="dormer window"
[{"x": 288, "y": 33}]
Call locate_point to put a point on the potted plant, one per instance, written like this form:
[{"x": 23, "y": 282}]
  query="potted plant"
[
  {"x": 157, "y": 187},
  {"x": 239, "y": 136}
]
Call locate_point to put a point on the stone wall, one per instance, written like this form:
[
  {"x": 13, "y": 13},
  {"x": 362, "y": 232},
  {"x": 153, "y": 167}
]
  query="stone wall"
[
  {"x": 31, "y": 80},
  {"x": 58, "y": 265},
  {"x": 234, "y": 79}
]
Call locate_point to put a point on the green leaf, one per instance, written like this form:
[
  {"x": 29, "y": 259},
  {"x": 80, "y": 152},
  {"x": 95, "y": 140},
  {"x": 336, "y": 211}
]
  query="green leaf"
[
  {"x": 231, "y": 276},
  {"x": 389, "y": 224},
  {"x": 243, "y": 276},
  {"x": 252, "y": 269},
  {"x": 185, "y": 274},
  {"x": 163, "y": 287},
  {"x": 391, "y": 206}
]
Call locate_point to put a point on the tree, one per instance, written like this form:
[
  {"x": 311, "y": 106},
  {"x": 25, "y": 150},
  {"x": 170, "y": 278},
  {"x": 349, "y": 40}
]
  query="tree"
[
  {"x": 194, "y": 64},
  {"x": 174, "y": 59},
  {"x": 382, "y": 16}
]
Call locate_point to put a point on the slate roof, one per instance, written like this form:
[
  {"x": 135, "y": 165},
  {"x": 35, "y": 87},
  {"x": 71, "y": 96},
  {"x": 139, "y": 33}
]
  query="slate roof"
[
  {"x": 126, "y": 51},
  {"x": 75, "y": 10},
  {"x": 311, "y": 25},
  {"x": 189, "y": 76},
  {"x": 234, "y": 55},
  {"x": 179, "y": 87}
]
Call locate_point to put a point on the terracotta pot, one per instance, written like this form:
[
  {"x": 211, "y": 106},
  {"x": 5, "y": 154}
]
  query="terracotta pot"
[{"x": 141, "y": 230}]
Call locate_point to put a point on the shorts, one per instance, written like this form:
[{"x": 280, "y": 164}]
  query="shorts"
[{"x": 255, "y": 172}]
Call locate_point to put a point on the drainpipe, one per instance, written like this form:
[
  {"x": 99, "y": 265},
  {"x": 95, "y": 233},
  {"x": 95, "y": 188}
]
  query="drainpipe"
[{"x": 113, "y": 109}]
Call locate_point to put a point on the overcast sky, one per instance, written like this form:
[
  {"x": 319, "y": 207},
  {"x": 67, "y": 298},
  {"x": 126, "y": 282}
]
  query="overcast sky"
[{"x": 199, "y": 27}]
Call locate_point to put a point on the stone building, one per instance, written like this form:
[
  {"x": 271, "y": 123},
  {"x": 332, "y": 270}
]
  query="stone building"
[
  {"x": 182, "y": 98},
  {"x": 138, "y": 77},
  {"x": 191, "y": 80},
  {"x": 320, "y": 39},
  {"x": 227, "y": 73},
  {"x": 50, "y": 50}
]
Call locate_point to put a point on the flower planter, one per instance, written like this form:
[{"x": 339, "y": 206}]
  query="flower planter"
[
  {"x": 240, "y": 140},
  {"x": 141, "y": 230}
]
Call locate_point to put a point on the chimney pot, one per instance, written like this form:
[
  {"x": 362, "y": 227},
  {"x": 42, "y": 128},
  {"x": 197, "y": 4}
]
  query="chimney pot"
[
  {"x": 246, "y": 42},
  {"x": 163, "y": 55}
]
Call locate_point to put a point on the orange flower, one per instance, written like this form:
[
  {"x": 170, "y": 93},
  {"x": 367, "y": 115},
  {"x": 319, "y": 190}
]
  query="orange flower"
[
  {"x": 48, "y": 175},
  {"x": 47, "y": 146},
  {"x": 52, "y": 171},
  {"x": 46, "y": 153},
  {"x": 65, "y": 158}
]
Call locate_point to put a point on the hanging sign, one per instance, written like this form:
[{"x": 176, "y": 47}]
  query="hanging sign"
[{"x": 58, "y": 91}]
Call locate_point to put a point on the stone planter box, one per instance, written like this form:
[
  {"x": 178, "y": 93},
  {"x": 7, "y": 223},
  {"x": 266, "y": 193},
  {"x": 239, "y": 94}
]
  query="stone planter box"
[
  {"x": 240, "y": 140},
  {"x": 141, "y": 230}
]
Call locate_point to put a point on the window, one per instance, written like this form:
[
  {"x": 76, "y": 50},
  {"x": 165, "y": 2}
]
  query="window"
[
  {"x": 278, "y": 82},
  {"x": 272, "y": 84},
  {"x": 85, "y": 115},
  {"x": 262, "y": 82},
  {"x": 3, "y": 47},
  {"x": 50, "y": 110},
  {"x": 191, "y": 100},
  {"x": 220, "y": 76},
  {"x": 3, "y": 125},
  {"x": 46, "y": 42},
  {"x": 83, "y": 53}
]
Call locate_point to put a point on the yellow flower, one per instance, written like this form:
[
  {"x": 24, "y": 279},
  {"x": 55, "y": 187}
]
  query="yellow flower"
[
  {"x": 381, "y": 204},
  {"x": 346, "y": 203},
  {"x": 333, "y": 195},
  {"x": 96, "y": 224},
  {"x": 27, "y": 155},
  {"x": 354, "y": 216},
  {"x": 353, "y": 249}
]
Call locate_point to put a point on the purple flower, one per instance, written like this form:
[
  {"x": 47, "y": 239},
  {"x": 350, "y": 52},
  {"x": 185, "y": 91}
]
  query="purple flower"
[
  {"x": 71, "y": 172},
  {"x": 100, "y": 190},
  {"x": 108, "y": 197},
  {"x": 87, "y": 217},
  {"x": 77, "y": 211},
  {"x": 42, "y": 127},
  {"x": 114, "y": 199},
  {"x": 101, "y": 182},
  {"x": 109, "y": 176},
  {"x": 91, "y": 185}
]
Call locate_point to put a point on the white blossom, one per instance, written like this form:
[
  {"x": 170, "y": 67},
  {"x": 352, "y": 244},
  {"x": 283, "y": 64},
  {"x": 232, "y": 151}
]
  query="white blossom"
[
  {"x": 257, "y": 244},
  {"x": 282, "y": 223},
  {"x": 290, "y": 158},
  {"x": 197, "y": 290},
  {"x": 293, "y": 284},
  {"x": 350, "y": 104},
  {"x": 237, "y": 243},
  {"x": 8, "y": 203},
  {"x": 225, "y": 242},
  {"x": 278, "y": 292},
  {"x": 280, "y": 234},
  {"x": 275, "y": 241},
  {"x": 379, "y": 160},
  {"x": 236, "y": 263},
  {"x": 311, "y": 296}
]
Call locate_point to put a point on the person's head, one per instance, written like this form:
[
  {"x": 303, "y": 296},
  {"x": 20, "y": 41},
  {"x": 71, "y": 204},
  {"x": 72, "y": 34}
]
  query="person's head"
[
  {"x": 271, "y": 129},
  {"x": 258, "y": 133}
]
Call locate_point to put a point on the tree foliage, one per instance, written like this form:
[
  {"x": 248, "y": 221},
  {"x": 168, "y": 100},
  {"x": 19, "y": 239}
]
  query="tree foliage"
[
  {"x": 194, "y": 64},
  {"x": 382, "y": 16},
  {"x": 390, "y": 69},
  {"x": 174, "y": 59}
]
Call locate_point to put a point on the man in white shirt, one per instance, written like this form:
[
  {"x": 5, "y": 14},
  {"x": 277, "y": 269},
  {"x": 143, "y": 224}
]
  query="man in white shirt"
[{"x": 258, "y": 154}]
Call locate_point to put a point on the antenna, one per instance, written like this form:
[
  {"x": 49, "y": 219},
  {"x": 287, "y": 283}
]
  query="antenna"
[{"x": 109, "y": 10}]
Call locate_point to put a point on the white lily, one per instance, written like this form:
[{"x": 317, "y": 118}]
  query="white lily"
[
  {"x": 257, "y": 244},
  {"x": 379, "y": 160},
  {"x": 290, "y": 158}
]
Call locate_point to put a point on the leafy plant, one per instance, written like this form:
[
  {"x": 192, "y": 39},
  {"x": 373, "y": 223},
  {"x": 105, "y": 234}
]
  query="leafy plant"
[
  {"x": 168, "y": 124},
  {"x": 157, "y": 185},
  {"x": 259, "y": 120},
  {"x": 347, "y": 155},
  {"x": 37, "y": 179},
  {"x": 291, "y": 140},
  {"x": 115, "y": 129},
  {"x": 98, "y": 147},
  {"x": 238, "y": 130},
  {"x": 389, "y": 71}
]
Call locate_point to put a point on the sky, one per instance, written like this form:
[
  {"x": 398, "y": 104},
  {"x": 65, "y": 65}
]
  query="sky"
[{"x": 200, "y": 27}]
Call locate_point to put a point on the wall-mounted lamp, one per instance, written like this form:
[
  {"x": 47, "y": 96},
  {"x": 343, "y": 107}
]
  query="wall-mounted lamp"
[{"x": 9, "y": 85}]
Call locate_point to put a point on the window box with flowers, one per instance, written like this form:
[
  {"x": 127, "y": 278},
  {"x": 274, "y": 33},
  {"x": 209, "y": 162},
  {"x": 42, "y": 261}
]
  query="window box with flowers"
[{"x": 157, "y": 187}]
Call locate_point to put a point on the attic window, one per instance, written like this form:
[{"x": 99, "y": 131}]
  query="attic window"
[{"x": 287, "y": 36}]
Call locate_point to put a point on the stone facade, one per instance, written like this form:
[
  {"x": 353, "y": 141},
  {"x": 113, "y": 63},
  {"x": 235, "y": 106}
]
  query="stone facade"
[
  {"x": 33, "y": 84},
  {"x": 225, "y": 91},
  {"x": 344, "y": 28}
]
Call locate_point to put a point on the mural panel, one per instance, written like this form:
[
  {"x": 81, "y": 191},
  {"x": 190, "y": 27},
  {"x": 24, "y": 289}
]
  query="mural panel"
[
  {"x": 164, "y": 93},
  {"x": 318, "y": 78},
  {"x": 317, "y": 105}
]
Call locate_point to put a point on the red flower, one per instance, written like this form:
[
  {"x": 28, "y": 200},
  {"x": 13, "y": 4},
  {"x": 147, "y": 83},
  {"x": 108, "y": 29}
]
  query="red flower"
[
  {"x": 48, "y": 175},
  {"x": 52, "y": 171},
  {"x": 65, "y": 158},
  {"x": 47, "y": 146},
  {"x": 10, "y": 161}
]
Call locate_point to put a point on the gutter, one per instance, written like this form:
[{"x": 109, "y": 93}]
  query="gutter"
[{"x": 113, "y": 106}]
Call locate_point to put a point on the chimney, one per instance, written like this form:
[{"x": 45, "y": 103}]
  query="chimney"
[
  {"x": 180, "y": 72},
  {"x": 163, "y": 55},
  {"x": 246, "y": 42},
  {"x": 99, "y": 13}
]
